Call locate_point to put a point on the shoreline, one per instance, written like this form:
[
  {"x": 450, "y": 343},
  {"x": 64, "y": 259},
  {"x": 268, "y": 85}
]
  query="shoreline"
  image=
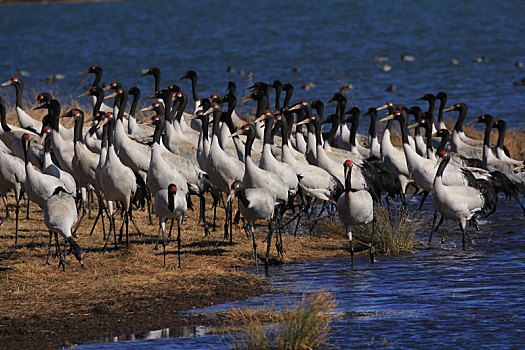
[{"x": 127, "y": 290}]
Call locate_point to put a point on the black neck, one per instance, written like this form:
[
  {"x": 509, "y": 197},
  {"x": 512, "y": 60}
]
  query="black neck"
[
  {"x": 24, "y": 148},
  {"x": 488, "y": 129},
  {"x": 134, "y": 103},
  {"x": 79, "y": 123},
  {"x": 502, "y": 128},
  {"x": 461, "y": 119},
  {"x": 443, "y": 101},
  {"x": 442, "y": 166},
  {"x": 241, "y": 194},
  {"x": 444, "y": 139},
  {"x": 98, "y": 77},
  {"x": 267, "y": 93},
  {"x": 99, "y": 98},
  {"x": 171, "y": 201},
  {"x": 432, "y": 104},
  {"x": 159, "y": 126},
  {"x": 123, "y": 103},
  {"x": 174, "y": 109},
  {"x": 182, "y": 106},
  {"x": 105, "y": 136},
  {"x": 205, "y": 126},
  {"x": 19, "y": 86},
  {"x": 404, "y": 132},
  {"x": 348, "y": 179},
  {"x": 249, "y": 141},
  {"x": 262, "y": 101},
  {"x": 287, "y": 97},
  {"x": 53, "y": 110},
  {"x": 216, "y": 119},
  {"x": 47, "y": 145},
  {"x": 287, "y": 121},
  {"x": 268, "y": 124},
  {"x": 194, "y": 87},
  {"x": 156, "y": 76},
  {"x": 428, "y": 138},
  {"x": 111, "y": 132},
  {"x": 3, "y": 121}
]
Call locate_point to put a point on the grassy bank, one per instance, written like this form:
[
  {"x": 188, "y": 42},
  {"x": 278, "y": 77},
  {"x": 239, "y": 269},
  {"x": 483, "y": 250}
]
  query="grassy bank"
[{"x": 127, "y": 290}]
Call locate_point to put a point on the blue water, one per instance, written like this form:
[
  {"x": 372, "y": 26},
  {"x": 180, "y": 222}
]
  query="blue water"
[
  {"x": 435, "y": 298},
  {"x": 332, "y": 42}
]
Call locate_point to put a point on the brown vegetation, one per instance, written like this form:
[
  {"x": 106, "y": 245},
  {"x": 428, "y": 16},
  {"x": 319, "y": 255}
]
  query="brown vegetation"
[{"x": 126, "y": 290}]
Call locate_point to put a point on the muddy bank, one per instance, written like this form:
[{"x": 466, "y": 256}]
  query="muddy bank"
[{"x": 127, "y": 290}]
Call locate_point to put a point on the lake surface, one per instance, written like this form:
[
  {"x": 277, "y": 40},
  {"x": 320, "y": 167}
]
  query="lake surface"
[
  {"x": 332, "y": 43},
  {"x": 435, "y": 298}
]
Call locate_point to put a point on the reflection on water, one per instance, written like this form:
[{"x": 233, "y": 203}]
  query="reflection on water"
[{"x": 439, "y": 297}]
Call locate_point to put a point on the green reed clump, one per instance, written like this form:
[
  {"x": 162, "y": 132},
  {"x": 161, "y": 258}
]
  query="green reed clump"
[
  {"x": 304, "y": 326},
  {"x": 395, "y": 231}
]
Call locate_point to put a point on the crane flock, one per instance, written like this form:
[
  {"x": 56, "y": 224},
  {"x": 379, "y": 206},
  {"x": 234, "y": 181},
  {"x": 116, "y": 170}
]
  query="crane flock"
[{"x": 282, "y": 165}]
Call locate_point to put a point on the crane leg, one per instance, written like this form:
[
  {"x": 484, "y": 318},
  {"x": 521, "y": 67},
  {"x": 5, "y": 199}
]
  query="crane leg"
[
  {"x": 133, "y": 220},
  {"x": 425, "y": 195},
  {"x": 61, "y": 260},
  {"x": 148, "y": 203},
  {"x": 17, "y": 212},
  {"x": 268, "y": 245},
  {"x": 84, "y": 199},
  {"x": 27, "y": 209},
  {"x": 171, "y": 228},
  {"x": 4, "y": 198},
  {"x": 49, "y": 248},
  {"x": 126, "y": 218},
  {"x": 433, "y": 228},
  {"x": 254, "y": 248},
  {"x": 162, "y": 227},
  {"x": 462, "y": 227},
  {"x": 178, "y": 239},
  {"x": 349, "y": 234},
  {"x": 372, "y": 260}
]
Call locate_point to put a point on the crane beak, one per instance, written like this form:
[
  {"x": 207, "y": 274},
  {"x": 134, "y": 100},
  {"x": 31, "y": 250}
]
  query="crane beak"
[
  {"x": 101, "y": 124},
  {"x": 110, "y": 96},
  {"x": 231, "y": 195},
  {"x": 43, "y": 138},
  {"x": 84, "y": 72},
  {"x": 451, "y": 108},
  {"x": 385, "y": 106},
  {"x": 294, "y": 108},
  {"x": 305, "y": 121},
  {"x": 237, "y": 133},
  {"x": 438, "y": 162},
  {"x": 35, "y": 106},
  {"x": 261, "y": 118},
  {"x": 9, "y": 82},
  {"x": 106, "y": 88},
  {"x": 415, "y": 125},
  {"x": 210, "y": 110},
  {"x": 519, "y": 167},
  {"x": 473, "y": 122},
  {"x": 149, "y": 108},
  {"x": 84, "y": 94},
  {"x": 389, "y": 117},
  {"x": 246, "y": 98}
]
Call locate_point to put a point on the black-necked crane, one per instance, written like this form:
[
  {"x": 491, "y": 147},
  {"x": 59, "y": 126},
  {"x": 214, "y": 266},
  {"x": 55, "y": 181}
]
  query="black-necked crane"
[
  {"x": 155, "y": 71},
  {"x": 84, "y": 162},
  {"x": 39, "y": 187},
  {"x": 12, "y": 177},
  {"x": 442, "y": 97},
  {"x": 60, "y": 216},
  {"x": 373, "y": 142},
  {"x": 459, "y": 143},
  {"x": 120, "y": 183},
  {"x": 255, "y": 204},
  {"x": 98, "y": 72},
  {"x": 170, "y": 203},
  {"x": 355, "y": 207},
  {"x": 26, "y": 121},
  {"x": 50, "y": 168},
  {"x": 10, "y": 135},
  {"x": 500, "y": 153},
  {"x": 458, "y": 203},
  {"x": 192, "y": 75}
]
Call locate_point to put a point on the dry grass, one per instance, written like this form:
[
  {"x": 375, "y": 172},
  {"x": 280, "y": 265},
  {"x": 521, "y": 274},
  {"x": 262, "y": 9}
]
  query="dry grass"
[
  {"x": 395, "y": 231},
  {"x": 306, "y": 325},
  {"x": 129, "y": 283}
]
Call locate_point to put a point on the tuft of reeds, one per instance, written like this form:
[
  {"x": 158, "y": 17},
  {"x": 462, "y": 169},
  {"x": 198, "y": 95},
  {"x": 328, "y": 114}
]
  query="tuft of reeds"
[
  {"x": 395, "y": 231},
  {"x": 303, "y": 326}
]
